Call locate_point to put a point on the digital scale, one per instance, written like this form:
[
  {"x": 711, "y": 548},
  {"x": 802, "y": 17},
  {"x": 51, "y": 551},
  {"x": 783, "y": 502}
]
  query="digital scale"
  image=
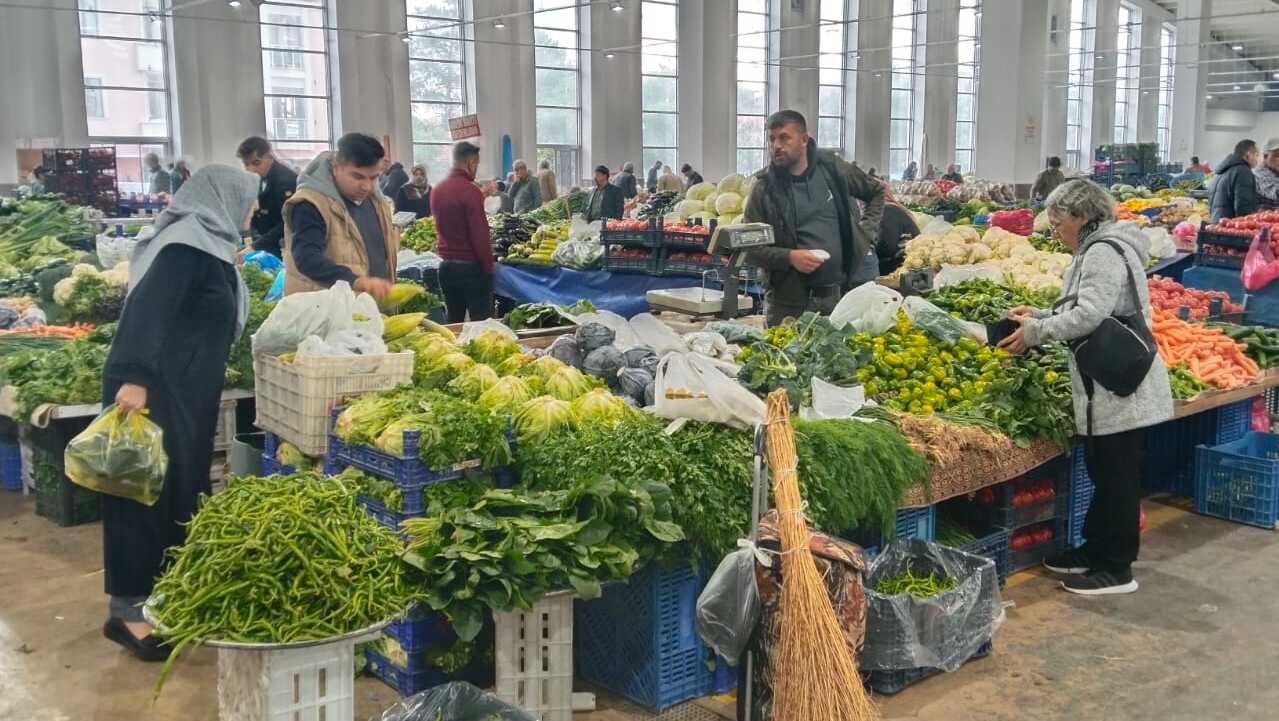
[{"x": 732, "y": 241}]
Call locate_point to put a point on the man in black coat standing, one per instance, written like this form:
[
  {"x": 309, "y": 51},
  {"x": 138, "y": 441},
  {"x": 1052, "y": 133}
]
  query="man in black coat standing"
[
  {"x": 1234, "y": 190},
  {"x": 606, "y": 199},
  {"x": 653, "y": 173},
  {"x": 278, "y": 184}
]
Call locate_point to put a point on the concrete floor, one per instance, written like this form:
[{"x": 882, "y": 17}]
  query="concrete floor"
[{"x": 1199, "y": 641}]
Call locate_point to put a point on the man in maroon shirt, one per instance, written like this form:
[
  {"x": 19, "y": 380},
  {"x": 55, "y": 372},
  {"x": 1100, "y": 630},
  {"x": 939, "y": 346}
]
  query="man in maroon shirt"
[{"x": 462, "y": 238}]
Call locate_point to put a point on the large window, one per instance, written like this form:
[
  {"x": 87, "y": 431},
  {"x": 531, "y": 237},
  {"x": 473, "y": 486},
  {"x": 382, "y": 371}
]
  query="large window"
[
  {"x": 1167, "y": 65},
  {"x": 437, "y": 79},
  {"x": 126, "y": 82},
  {"x": 968, "y": 71},
  {"x": 559, "y": 77},
  {"x": 659, "y": 68},
  {"x": 830, "y": 74},
  {"x": 753, "y": 39},
  {"x": 295, "y": 77},
  {"x": 905, "y": 107},
  {"x": 1127, "y": 73},
  {"x": 1083, "y": 31}
]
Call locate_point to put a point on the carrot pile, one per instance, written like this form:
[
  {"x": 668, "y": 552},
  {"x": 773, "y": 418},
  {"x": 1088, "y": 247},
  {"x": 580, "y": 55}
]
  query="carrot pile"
[
  {"x": 1212, "y": 356},
  {"x": 70, "y": 332}
]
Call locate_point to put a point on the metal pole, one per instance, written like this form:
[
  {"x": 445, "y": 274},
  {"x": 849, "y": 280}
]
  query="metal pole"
[{"x": 759, "y": 505}]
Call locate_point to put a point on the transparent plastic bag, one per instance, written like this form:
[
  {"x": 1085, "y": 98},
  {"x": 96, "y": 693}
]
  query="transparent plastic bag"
[
  {"x": 939, "y": 323},
  {"x": 120, "y": 455},
  {"x": 736, "y": 331},
  {"x": 321, "y": 313},
  {"x": 953, "y": 274},
  {"x": 690, "y": 385},
  {"x": 869, "y": 308},
  {"x": 653, "y": 333},
  {"x": 473, "y": 329},
  {"x": 454, "y": 701},
  {"x": 707, "y": 343},
  {"x": 623, "y": 335},
  {"x": 728, "y": 608},
  {"x": 832, "y": 401},
  {"x": 578, "y": 254},
  {"x": 941, "y": 631}
]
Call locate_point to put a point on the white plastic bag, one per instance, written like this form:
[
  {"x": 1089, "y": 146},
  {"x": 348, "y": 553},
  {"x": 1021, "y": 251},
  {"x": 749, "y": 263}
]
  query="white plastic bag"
[
  {"x": 936, "y": 226},
  {"x": 580, "y": 230},
  {"x": 472, "y": 330},
  {"x": 870, "y": 308},
  {"x": 939, "y": 323},
  {"x": 952, "y": 274},
  {"x": 343, "y": 342},
  {"x": 832, "y": 401},
  {"x": 624, "y": 336},
  {"x": 655, "y": 334},
  {"x": 320, "y": 313},
  {"x": 707, "y": 343},
  {"x": 690, "y": 385}
]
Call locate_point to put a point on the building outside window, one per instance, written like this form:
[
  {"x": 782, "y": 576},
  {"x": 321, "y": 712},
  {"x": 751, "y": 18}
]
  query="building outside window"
[
  {"x": 1167, "y": 65},
  {"x": 833, "y": 49},
  {"x": 437, "y": 79},
  {"x": 968, "y": 72},
  {"x": 123, "y": 46},
  {"x": 754, "y": 38},
  {"x": 558, "y": 98},
  {"x": 659, "y": 75},
  {"x": 1079, "y": 73},
  {"x": 905, "y": 101},
  {"x": 1127, "y": 73},
  {"x": 295, "y": 43}
]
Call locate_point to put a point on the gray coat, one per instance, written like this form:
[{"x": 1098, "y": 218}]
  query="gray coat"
[
  {"x": 525, "y": 195},
  {"x": 1101, "y": 283}
]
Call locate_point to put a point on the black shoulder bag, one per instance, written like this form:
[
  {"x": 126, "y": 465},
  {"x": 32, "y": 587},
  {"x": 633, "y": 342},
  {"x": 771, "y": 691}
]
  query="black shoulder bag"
[{"x": 1119, "y": 353}]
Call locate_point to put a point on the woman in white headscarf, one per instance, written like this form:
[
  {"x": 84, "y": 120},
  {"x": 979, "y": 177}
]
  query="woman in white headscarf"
[{"x": 186, "y": 305}]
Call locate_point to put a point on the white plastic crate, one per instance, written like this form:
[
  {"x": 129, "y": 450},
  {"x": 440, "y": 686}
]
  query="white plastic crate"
[
  {"x": 304, "y": 684},
  {"x": 225, "y": 430},
  {"x": 294, "y": 399},
  {"x": 535, "y": 657}
]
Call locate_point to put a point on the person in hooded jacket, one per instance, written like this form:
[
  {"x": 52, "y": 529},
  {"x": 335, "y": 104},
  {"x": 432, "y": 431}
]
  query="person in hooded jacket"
[
  {"x": 186, "y": 305},
  {"x": 393, "y": 179},
  {"x": 1234, "y": 189},
  {"x": 337, "y": 226},
  {"x": 1101, "y": 282}
]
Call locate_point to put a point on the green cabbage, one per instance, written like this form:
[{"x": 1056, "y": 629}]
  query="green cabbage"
[
  {"x": 728, "y": 204},
  {"x": 437, "y": 372},
  {"x": 699, "y": 191},
  {"x": 491, "y": 347},
  {"x": 540, "y": 416},
  {"x": 473, "y": 381},
  {"x": 506, "y": 395},
  {"x": 568, "y": 383},
  {"x": 365, "y": 418},
  {"x": 732, "y": 184},
  {"x": 543, "y": 367},
  {"x": 599, "y": 407},
  {"x": 513, "y": 364},
  {"x": 391, "y": 439}
]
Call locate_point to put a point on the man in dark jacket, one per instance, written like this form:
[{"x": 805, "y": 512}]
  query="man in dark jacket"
[
  {"x": 278, "y": 185},
  {"x": 523, "y": 191},
  {"x": 820, "y": 237},
  {"x": 1234, "y": 191},
  {"x": 653, "y": 174},
  {"x": 393, "y": 179},
  {"x": 606, "y": 199},
  {"x": 1048, "y": 180},
  {"x": 626, "y": 181},
  {"x": 691, "y": 177}
]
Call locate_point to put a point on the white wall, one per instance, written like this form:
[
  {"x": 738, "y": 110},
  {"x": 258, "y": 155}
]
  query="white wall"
[{"x": 1223, "y": 128}]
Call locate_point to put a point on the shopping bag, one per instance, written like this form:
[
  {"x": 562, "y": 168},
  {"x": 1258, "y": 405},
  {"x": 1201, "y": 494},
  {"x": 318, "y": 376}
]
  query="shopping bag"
[
  {"x": 690, "y": 385},
  {"x": 119, "y": 454},
  {"x": 1260, "y": 266},
  {"x": 868, "y": 308},
  {"x": 321, "y": 313}
]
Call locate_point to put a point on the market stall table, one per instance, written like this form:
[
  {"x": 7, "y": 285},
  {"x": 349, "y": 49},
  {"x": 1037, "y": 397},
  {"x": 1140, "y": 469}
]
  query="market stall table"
[{"x": 621, "y": 293}]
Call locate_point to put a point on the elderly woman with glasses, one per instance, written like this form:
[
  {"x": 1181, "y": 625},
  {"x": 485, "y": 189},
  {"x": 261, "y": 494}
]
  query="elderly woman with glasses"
[{"x": 1098, "y": 284}]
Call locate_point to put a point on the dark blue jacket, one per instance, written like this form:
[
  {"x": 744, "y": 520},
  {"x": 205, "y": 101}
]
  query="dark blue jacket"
[{"x": 1234, "y": 190}]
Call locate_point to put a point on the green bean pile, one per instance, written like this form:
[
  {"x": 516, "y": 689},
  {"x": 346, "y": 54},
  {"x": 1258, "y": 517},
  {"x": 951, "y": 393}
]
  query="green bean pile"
[
  {"x": 919, "y": 586},
  {"x": 280, "y": 559}
]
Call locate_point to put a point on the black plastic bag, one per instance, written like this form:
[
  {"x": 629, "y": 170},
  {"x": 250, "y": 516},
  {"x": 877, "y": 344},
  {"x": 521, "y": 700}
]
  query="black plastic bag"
[
  {"x": 455, "y": 701},
  {"x": 942, "y": 631}
]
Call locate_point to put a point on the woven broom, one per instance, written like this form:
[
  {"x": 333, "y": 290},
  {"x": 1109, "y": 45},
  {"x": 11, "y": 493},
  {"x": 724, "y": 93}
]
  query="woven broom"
[{"x": 814, "y": 674}]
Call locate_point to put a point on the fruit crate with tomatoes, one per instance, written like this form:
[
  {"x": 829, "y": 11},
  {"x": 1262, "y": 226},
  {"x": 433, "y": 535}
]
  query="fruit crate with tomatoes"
[
  {"x": 1042, "y": 495},
  {"x": 1168, "y": 294},
  {"x": 1220, "y": 256},
  {"x": 693, "y": 237},
  {"x": 631, "y": 233},
  {"x": 623, "y": 259},
  {"x": 691, "y": 263},
  {"x": 1029, "y": 546}
]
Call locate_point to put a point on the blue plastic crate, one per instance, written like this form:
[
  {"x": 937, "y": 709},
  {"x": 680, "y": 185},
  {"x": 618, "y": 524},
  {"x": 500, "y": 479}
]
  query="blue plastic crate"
[
  {"x": 407, "y": 682},
  {"x": 887, "y": 683},
  {"x": 270, "y": 466},
  {"x": 994, "y": 546},
  {"x": 724, "y": 679},
  {"x": 1031, "y": 556},
  {"x": 1239, "y": 481},
  {"x": 387, "y": 517},
  {"x": 407, "y": 471},
  {"x": 1170, "y": 453},
  {"x": 420, "y": 630},
  {"x": 10, "y": 465},
  {"x": 1081, "y": 490},
  {"x": 917, "y": 523},
  {"x": 638, "y": 641},
  {"x": 1234, "y": 421}
]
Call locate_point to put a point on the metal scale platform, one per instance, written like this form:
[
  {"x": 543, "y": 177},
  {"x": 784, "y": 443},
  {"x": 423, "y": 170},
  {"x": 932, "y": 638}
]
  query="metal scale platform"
[{"x": 732, "y": 241}]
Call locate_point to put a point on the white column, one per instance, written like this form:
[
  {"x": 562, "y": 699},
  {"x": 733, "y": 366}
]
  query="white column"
[
  {"x": 616, "y": 130},
  {"x": 506, "y": 83},
  {"x": 874, "y": 31},
  {"x": 1052, "y": 129},
  {"x": 708, "y": 87},
  {"x": 940, "y": 83},
  {"x": 1148, "y": 98},
  {"x": 1105, "y": 60},
  {"x": 1189, "y": 79},
  {"x": 799, "y": 42},
  {"x": 373, "y": 82},
  {"x": 1011, "y": 94}
]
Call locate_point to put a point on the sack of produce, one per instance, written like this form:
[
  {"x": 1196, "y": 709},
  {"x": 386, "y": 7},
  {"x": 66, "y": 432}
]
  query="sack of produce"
[
  {"x": 928, "y": 606},
  {"x": 736, "y": 331},
  {"x": 121, "y": 455},
  {"x": 869, "y": 308},
  {"x": 454, "y": 701},
  {"x": 322, "y": 313},
  {"x": 728, "y": 609}
]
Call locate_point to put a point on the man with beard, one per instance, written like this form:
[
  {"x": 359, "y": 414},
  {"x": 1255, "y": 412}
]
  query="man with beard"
[{"x": 821, "y": 238}]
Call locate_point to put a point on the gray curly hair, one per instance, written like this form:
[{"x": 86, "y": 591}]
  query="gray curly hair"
[{"x": 1084, "y": 199}]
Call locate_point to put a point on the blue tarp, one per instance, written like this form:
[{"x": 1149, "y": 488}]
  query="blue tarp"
[{"x": 622, "y": 293}]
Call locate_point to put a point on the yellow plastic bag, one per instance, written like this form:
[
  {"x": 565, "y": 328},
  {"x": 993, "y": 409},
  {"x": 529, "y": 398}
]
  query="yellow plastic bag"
[{"x": 121, "y": 455}]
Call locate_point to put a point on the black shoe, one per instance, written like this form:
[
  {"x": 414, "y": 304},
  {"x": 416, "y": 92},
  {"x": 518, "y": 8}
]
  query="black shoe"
[
  {"x": 1071, "y": 562},
  {"x": 1101, "y": 583},
  {"x": 150, "y": 649}
]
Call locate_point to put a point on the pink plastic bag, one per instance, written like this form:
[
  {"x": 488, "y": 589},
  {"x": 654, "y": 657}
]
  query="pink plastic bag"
[
  {"x": 1260, "y": 267},
  {"x": 1261, "y": 415}
]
